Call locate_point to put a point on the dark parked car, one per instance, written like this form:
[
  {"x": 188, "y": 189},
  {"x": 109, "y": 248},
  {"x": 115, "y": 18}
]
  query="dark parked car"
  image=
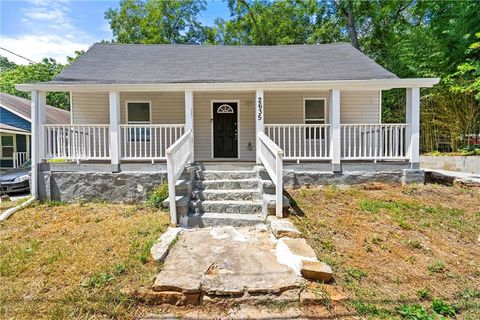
[{"x": 16, "y": 180}]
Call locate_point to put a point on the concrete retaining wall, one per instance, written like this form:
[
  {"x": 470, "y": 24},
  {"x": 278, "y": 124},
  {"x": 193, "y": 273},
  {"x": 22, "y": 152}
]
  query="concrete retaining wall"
[{"x": 470, "y": 164}]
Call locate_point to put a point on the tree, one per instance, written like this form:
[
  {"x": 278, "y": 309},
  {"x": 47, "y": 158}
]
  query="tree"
[
  {"x": 157, "y": 21},
  {"x": 35, "y": 72},
  {"x": 6, "y": 64}
]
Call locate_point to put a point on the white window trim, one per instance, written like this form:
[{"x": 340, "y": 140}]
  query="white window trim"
[
  {"x": 138, "y": 101},
  {"x": 14, "y": 139},
  {"x": 325, "y": 110}
]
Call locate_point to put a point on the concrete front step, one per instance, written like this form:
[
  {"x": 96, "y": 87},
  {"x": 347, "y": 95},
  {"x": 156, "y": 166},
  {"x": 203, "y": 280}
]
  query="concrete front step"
[
  {"x": 227, "y": 184},
  {"x": 226, "y": 175},
  {"x": 213, "y": 219},
  {"x": 233, "y": 194},
  {"x": 241, "y": 207}
]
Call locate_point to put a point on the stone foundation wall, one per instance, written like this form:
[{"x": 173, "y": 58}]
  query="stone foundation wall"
[
  {"x": 127, "y": 187},
  {"x": 316, "y": 178}
]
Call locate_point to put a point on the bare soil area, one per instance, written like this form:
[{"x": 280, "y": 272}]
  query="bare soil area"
[{"x": 396, "y": 248}]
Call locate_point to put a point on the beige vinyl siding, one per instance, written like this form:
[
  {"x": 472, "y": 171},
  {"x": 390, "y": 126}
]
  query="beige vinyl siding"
[
  {"x": 90, "y": 108},
  {"x": 166, "y": 107},
  {"x": 360, "y": 107},
  {"x": 202, "y": 113},
  {"x": 355, "y": 106},
  {"x": 93, "y": 108}
]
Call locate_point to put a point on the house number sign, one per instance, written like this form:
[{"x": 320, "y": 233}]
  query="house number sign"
[{"x": 260, "y": 108}]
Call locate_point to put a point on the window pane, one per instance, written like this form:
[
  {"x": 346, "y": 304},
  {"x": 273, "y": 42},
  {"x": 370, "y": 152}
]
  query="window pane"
[
  {"x": 139, "y": 111},
  {"x": 7, "y": 141},
  {"x": 7, "y": 152},
  {"x": 314, "y": 109}
]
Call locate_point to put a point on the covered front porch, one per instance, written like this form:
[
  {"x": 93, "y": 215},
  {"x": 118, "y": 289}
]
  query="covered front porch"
[
  {"x": 271, "y": 127},
  {"x": 311, "y": 126}
]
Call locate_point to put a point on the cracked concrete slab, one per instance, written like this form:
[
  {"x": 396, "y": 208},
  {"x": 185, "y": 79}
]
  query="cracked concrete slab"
[{"x": 226, "y": 261}]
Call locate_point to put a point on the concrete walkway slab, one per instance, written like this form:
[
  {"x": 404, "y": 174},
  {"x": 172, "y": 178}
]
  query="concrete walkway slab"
[{"x": 226, "y": 261}]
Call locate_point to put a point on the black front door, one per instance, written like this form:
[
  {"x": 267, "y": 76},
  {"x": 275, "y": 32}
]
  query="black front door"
[{"x": 225, "y": 143}]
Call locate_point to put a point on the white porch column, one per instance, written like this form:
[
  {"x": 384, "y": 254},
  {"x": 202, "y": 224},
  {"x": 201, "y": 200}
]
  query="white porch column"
[
  {"x": 259, "y": 121},
  {"x": 114, "y": 106},
  {"x": 38, "y": 103},
  {"x": 335, "y": 142},
  {"x": 189, "y": 115},
  {"x": 413, "y": 120}
]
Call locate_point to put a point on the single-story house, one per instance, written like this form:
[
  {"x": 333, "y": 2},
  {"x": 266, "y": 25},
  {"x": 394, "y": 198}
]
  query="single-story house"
[
  {"x": 298, "y": 114},
  {"x": 15, "y": 128}
]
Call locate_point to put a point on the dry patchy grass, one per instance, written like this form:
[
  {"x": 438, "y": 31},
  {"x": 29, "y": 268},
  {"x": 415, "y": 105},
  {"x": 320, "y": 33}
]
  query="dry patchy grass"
[
  {"x": 61, "y": 261},
  {"x": 393, "y": 246}
]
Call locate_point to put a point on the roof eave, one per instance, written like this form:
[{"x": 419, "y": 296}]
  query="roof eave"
[{"x": 372, "y": 84}]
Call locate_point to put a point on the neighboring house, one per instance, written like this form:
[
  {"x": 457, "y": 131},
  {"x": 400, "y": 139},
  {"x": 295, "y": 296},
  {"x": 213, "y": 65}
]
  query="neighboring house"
[
  {"x": 306, "y": 113},
  {"x": 15, "y": 128}
]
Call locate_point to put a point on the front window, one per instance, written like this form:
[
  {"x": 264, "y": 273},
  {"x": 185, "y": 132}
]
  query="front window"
[
  {"x": 138, "y": 112},
  {"x": 314, "y": 114},
  {"x": 7, "y": 146}
]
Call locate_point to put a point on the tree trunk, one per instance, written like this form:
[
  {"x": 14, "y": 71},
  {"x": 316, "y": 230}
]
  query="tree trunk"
[{"x": 347, "y": 10}]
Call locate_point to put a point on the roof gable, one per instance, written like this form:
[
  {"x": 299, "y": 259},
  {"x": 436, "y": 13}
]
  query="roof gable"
[{"x": 135, "y": 63}]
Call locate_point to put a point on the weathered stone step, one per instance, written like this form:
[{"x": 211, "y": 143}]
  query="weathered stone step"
[
  {"x": 233, "y": 194},
  {"x": 227, "y": 184},
  {"x": 226, "y": 175},
  {"x": 182, "y": 204},
  {"x": 214, "y": 219},
  {"x": 269, "y": 200},
  {"x": 242, "y": 207}
]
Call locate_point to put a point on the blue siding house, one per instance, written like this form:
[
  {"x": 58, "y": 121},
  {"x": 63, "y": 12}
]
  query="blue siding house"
[{"x": 15, "y": 128}]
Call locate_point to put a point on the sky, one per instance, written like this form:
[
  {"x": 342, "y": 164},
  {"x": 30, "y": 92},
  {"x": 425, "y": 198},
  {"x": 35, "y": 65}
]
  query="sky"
[{"x": 36, "y": 29}]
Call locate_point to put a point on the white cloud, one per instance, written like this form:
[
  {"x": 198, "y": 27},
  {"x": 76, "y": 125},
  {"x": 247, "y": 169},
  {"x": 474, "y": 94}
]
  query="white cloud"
[
  {"x": 38, "y": 47},
  {"x": 51, "y": 33}
]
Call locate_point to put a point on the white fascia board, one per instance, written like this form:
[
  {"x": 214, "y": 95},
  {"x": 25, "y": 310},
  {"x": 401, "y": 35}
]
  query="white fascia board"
[{"x": 374, "y": 84}]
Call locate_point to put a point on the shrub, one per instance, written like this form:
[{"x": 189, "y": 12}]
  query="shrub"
[
  {"x": 158, "y": 195},
  {"x": 423, "y": 294},
  {"x": 437, "y": 267}
]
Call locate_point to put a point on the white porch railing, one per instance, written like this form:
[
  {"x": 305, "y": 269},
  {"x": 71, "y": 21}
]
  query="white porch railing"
[
  {"x": 271, "y": 157},
  {"x": 178, "y": 155},
  {"x": 301, "y": 141},
  {"x": 374, "y": 141},
  {"x": 77, "y": 141},
  {"x": 19, "y": 158},
  {"x": 148, "y": 141}
]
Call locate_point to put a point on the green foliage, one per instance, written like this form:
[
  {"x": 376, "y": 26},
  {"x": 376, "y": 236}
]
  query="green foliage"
[
  {"x": 158, "y": 195},
  {"x": 437, "y": 267},
  {"x": 157, "y": 21},
  {"x": 6, "y": 64},
  {"x": 37, "y": 72},
  {"x": 414, "y": 312},
  {"x": 423, "y": 294},
  {"x": 357, "y": 274},
  {"x": 443, "y": 308}
]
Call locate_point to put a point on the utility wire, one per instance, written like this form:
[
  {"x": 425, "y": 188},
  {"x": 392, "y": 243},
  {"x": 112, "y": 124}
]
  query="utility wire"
[{"x": 18, "y": 55}]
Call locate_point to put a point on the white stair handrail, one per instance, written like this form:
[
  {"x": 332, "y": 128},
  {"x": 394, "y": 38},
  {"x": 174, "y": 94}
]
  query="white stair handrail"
[
  {"x": 271, "y": 157},
  {"x": 179, "y": 155}
]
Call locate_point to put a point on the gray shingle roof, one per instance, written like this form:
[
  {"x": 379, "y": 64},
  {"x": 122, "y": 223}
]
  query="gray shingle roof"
[
  {"x": 22, "y": 106},
  {"x": 136, "y": 63}
]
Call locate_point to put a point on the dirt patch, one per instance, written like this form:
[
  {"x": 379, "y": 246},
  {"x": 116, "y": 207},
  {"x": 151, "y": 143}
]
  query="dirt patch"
[{"x": 393, "y": 246}]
